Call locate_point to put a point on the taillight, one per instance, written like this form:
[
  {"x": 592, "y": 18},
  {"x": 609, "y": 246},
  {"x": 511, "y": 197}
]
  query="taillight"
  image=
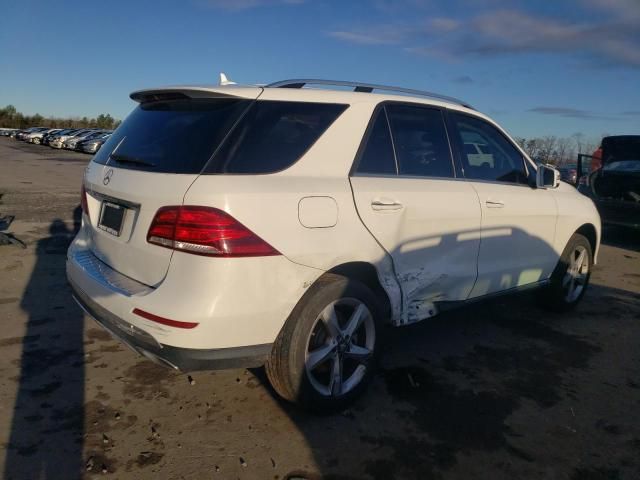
[
  {"x": 83, "y": 200},
  {"x": 205, "y": 231}
]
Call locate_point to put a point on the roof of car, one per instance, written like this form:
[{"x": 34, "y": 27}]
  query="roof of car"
[{"x": 330, "y": 91}]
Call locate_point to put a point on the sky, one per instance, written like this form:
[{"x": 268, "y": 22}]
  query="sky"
[{"x": 537, "y": 67}]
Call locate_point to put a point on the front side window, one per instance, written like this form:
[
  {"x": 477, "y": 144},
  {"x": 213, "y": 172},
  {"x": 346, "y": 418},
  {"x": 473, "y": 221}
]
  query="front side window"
[
  {"x": 420, "y": 141},
  {"x": 486, "y": 154},
  {"x": 377, "y": 157}
]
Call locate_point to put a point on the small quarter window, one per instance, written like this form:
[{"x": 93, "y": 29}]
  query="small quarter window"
[{"x": 377, "y": 156}]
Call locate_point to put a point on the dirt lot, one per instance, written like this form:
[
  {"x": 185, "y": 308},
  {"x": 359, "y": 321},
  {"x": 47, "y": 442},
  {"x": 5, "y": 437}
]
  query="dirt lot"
[{"x": 498, "y": 390}]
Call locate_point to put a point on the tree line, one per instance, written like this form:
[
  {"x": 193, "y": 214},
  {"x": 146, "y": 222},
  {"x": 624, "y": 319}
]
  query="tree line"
[
  {"x": 11, "y": 118},
  {"x": 557, "y": 150}
]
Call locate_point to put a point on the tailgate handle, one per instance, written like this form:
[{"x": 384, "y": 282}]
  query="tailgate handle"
[
  {"x": 494, "y": 203},
  {"x": 385, "y": 205}
]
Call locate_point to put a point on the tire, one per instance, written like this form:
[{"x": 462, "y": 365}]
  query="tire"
[
  {"x": 319, "y": 360},
  {"x": 570, "y": 278}
]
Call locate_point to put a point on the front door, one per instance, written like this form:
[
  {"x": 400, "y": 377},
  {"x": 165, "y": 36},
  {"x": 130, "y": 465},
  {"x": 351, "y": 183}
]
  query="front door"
[{"x": 518, "y": 220}]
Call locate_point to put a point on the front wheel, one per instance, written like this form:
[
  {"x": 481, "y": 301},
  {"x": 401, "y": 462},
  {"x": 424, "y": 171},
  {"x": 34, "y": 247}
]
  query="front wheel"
[
  {"x": 570, "y": 278},
  {"x": 325, "y": 354}
]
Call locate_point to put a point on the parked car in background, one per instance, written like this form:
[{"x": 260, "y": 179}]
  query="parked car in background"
[
  {"x": 92, "y": 145},
  {"x": 569, "y": 173},
  {"x": 48, "y": 136},
  {"x": 613, "y": 180},
  {"x": 58, "y": 140},
  {"x": 322, "y": 215},
  {"x": 36, "y": 137},
  {"x": 7, "y": 132},
  {"x": 23, "y": 134},
  {"x": 71, "y": 143}
]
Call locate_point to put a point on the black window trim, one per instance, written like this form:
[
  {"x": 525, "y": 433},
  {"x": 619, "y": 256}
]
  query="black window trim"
[
  {"x": 393, "y": 142},
  {"x": 458, "y": 154},
  {"x": 365, "y": 139},
  {"x": 353, "y": 172}
]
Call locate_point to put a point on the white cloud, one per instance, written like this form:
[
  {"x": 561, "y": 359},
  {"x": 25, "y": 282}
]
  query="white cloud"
[
  {"x": 607, "y": 41},
  {"x": 375, "y": 34}
]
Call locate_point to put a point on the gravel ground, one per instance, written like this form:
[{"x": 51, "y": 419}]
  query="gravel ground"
[{"x": 501, "y": 389}]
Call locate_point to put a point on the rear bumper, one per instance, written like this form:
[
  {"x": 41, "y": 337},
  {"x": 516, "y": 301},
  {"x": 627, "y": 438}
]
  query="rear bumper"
[
  {"x": 239, "y": 305},
  {"x": 183, "y": 359}
]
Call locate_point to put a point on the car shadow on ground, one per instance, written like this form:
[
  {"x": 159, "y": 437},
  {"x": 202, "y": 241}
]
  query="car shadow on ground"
[
  {"x": 46, "y": 436},
  {"x": 448, "y": 398},
  {"x": 448, "y": 389}
]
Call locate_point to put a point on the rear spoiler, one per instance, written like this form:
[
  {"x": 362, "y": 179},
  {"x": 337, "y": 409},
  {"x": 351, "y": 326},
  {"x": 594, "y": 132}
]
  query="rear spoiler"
[{"x": 171, "y": 93}]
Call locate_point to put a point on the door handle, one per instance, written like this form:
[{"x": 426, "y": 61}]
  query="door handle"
[
  {"x": 494, "y": 203},
  {"x": 385, "y": 205}
]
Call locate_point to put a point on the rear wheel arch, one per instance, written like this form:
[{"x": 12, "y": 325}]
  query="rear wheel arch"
[{"x": 367, "y": 274}]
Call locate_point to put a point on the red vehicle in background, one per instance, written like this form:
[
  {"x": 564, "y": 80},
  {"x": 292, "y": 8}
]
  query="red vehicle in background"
[{"x": 596, "y": 159}]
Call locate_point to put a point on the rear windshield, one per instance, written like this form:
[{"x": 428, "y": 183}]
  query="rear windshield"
[
  {"x": 173, "y": 136},
  {"x": 181, "y": 135}
]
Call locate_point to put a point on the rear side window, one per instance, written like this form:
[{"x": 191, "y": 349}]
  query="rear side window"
[
  {"x": 377, "y": 156},
  {"x": 272, "y": 136},
  {"x": 420, "y": 141},
  {"x": 486, "y": 153},
  {"x": 171, "y": 136}
]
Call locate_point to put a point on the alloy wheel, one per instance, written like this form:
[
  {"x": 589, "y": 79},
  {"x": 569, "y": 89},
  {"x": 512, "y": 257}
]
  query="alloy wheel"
[
  {"x": 340, "y": 347},
  {"x": 575, "y": 278}
]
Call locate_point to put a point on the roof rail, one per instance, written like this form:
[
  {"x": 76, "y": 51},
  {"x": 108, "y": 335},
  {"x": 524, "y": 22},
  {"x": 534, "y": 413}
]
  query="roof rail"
[{"x": 364, "y": 87}]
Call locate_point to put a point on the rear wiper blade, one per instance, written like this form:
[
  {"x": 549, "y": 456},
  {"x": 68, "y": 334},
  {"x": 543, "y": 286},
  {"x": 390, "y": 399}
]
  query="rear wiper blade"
[{"x": 127, "y": 159}]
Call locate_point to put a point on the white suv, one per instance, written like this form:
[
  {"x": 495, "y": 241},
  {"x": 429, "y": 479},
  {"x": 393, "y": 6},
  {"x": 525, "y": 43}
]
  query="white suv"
[{"x": 284, "y": 225}]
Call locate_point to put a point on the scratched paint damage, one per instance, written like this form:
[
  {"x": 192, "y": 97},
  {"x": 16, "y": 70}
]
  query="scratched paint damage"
[{"x": 422, "y": 289}]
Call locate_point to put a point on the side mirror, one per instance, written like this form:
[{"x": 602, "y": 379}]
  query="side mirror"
[{"x": 547, "y": 177}]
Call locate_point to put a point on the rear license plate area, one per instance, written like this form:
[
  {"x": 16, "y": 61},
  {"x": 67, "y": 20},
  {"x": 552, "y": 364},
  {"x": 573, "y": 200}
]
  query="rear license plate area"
[{"x": 111, "y": 218}]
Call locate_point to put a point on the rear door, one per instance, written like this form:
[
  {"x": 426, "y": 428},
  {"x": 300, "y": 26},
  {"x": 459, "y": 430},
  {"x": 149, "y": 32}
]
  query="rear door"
[
  {"x": 518, "y": 221},
  {"x": 408, "y": 197},
  {"x": 147, "y": 163}
]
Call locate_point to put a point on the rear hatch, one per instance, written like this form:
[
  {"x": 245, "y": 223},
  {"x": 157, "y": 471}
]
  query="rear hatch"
[{"x": 149, "y": 162}]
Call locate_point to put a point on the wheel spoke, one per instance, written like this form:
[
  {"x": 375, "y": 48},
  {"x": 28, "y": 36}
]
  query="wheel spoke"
[
  {"x": 319, "y": 355},
  {"x": 580, "y": 260},
  {"x": 331, "y": 343},
  {"x": 335, "y": 384},
  {"x": 354, "y": 320},
  {"x": 361, "y": 354},
  {"x": 567, "y": 278},
  {"x": 330, "y": 320}
]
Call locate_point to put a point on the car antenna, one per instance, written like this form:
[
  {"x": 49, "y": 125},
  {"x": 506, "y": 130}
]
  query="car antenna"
[{"x": 224, "y": 81}]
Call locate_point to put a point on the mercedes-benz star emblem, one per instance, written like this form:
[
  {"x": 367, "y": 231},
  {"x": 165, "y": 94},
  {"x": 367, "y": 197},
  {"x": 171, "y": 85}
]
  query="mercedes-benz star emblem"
[{"x": 107, "y": 177}]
